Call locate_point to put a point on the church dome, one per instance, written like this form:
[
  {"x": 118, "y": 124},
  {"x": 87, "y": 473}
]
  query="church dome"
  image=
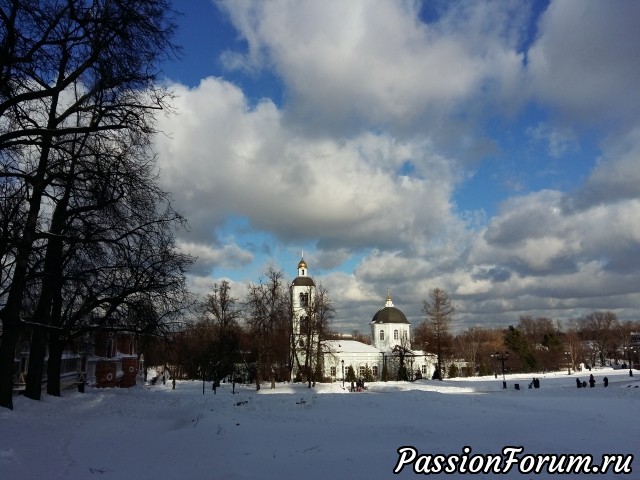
[
  {"x": 302, "y": 264},
  {"x": 303, "y": 282},
  {"x": 389, "y": 315}
]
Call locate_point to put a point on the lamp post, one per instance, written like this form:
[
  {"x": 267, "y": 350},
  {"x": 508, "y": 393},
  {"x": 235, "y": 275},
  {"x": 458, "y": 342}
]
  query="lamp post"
[
  {"x": 342, "y": 362},
  {"x": 629, "y": 351},
  {"x": 568, "y": 355},
  {"x": 502, "y": 357}
]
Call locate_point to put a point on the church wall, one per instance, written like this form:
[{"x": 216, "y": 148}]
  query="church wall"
[
  {"x": 389, "y": 338},
  {"x": 423, "y": 363},
  {"x": 354, "y": 359}
]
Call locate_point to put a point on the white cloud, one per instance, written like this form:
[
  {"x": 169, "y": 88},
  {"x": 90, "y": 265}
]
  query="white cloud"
[
  {"x": 221, "y": 158},
  {"x": 359, "y": 158},
  {"x": 616, "y": 175},
  {"x": 586, "y": 62},
  {"x": 209, "y": 257},
  {"x": 360, "y": 63}
]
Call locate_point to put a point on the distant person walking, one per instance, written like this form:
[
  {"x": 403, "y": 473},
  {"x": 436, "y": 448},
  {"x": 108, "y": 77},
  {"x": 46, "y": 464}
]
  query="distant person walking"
[
  {"x": 592, "y": 381},
  {"x": 578, "y": 383},
  {"x": 605, "y": 380}
]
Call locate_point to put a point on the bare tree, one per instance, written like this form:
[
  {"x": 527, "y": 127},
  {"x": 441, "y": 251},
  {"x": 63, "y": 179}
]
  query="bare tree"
[
  {"x": 601, "y": 328},
  {"x": 573, "y": 344},
  {"x": 468, "y": 344},
  {"x": 224, "y": 311},
  {"x": 439, "y": 313},
  {"x": 69, "y": 67},
  {"x": 268, "y": 318},
  {"x": 324, "y": 314}
]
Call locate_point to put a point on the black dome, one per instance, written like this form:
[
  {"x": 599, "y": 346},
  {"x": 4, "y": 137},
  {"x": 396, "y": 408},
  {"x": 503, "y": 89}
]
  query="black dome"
[
  {"x": 303, "y": 282},
  {"x": 389, "y": 315}
]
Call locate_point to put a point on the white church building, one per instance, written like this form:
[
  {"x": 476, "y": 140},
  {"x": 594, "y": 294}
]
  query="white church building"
[{"x": 390, "y": 340}]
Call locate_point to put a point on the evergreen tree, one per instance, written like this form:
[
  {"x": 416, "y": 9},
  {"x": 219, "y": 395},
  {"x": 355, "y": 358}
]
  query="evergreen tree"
[{"x": 515, "y": 341}]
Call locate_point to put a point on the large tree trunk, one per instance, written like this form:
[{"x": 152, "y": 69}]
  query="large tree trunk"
[
  {"x": 51, "y": 286},
  {"x": 10, "y": 334},
  {"x": 56, "y": 347},
  {"x": 37, "y": 354}
]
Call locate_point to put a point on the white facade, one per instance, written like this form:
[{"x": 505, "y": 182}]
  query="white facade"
[
  {"x": 389, "y": 329},
  {"x": 362, "y": 357},
  {"x": 387, "y": 335}
]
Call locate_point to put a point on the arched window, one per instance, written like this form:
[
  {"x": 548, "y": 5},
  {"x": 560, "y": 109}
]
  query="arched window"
[
  {"x": 381, "y": 334},
  {"x": 304, "y": 299},
  {"x": 395, "y": 335}
]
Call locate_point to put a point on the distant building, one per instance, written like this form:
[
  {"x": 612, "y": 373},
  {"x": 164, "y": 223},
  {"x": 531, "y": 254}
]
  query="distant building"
[
  {"x": 102, "y": 359},
  {"x": 390, "y": 334},
  {"x": 112, "y": 360}
]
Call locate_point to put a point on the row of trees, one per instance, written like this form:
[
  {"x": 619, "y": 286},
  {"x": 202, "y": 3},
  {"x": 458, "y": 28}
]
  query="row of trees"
[
  {"x": 535, "y": 344},
  {"x": 86, "y": 233},
  {"x": 256, "y": 332}
]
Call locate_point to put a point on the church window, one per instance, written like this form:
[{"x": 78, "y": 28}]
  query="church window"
[
  {"x": 395, "y": 335},
  {"x": 333, "y": 371},
  {"x": 304, "y": 299},
  {"x": 302, "y": 342},
  {"x": 381, "y": 334},
  {"x": 423, "y": 369},
  {"x": 362, "y": 371},
  {"x": 374, "y": 371}
]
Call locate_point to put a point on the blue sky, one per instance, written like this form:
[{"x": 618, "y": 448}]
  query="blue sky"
[{"x": 491, "y": 149}]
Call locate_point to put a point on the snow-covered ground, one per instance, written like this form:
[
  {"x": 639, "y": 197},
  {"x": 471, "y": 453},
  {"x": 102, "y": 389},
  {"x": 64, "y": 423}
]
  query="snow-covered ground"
[{"x": 153, "y": 432}]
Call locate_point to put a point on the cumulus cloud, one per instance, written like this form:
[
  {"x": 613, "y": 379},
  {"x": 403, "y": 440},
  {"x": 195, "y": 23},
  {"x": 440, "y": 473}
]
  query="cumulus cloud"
[
  {"x": 382, "y": 112},
  {"x": 586, "y": 62},
  {"x": 208, "y": 256},
  {"x": 616, "y": 175},
  {"x": 362, "y": 64},
  {"x": 222, "y": 158}
]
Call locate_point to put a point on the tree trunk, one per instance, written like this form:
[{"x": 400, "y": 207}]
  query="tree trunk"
[
  {"x": 37, "y": 354},
  {"x": 50, "y": 289},
  {"x": 10, "y": 314},
  {"x": 8, "y": 344},
  {"x": 56, "y": 347}
]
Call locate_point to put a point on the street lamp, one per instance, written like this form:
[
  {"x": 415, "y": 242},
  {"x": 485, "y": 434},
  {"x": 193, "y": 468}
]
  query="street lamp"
[
  {"x": 342, "y": 361},
  {"x": 629, "y": 351},
  {"x": 502, "y": 357}
]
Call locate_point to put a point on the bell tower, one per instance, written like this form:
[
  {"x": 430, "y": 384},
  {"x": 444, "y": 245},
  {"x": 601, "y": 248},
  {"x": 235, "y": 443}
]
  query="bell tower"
[{"x": 303, "y": 290}]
